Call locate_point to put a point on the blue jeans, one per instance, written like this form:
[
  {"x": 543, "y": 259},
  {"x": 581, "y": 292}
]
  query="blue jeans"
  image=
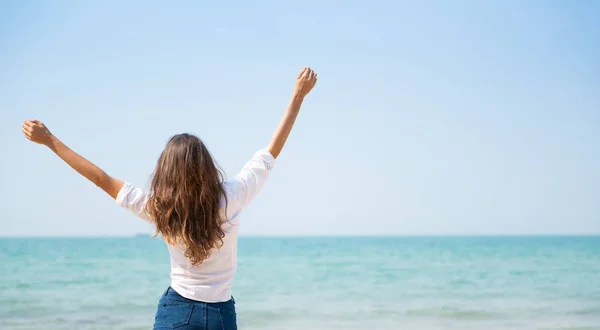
[{"x": 177, "y": 312}]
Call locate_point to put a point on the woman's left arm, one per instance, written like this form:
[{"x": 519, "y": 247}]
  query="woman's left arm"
[{"x": 37, "y": 132}]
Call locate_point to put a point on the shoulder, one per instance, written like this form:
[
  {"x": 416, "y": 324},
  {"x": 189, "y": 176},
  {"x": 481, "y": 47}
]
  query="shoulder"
[
  {"x": 134, "y": 199},
  {"x": 231, "y": 188},
  {"x": 130, "y": 194}
]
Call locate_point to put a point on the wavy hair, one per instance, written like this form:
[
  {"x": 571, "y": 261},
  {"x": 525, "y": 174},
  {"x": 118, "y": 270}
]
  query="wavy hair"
[{"x": 187, "y": 187}]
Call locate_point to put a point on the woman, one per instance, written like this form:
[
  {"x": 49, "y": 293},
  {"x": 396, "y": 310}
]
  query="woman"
[{"x": 195, "y": 212}]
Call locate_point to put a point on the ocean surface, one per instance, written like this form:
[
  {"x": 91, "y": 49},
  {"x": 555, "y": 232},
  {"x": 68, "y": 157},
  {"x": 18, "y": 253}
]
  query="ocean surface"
[{"x": 315, "y": 283}]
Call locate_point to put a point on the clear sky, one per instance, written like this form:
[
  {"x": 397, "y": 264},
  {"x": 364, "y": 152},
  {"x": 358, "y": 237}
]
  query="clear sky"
[{"x": 430, "y": 117}]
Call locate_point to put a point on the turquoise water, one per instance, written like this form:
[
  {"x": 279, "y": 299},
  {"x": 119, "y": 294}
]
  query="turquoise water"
[{"x": 315, "y": 283}]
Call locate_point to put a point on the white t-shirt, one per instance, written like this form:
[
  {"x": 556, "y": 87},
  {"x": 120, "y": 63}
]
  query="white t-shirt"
[{"x": 210, "y": 281}]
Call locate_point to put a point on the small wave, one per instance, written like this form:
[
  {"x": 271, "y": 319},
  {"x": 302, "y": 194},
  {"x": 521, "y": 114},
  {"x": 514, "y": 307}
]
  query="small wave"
[
  {"x": 572, "y": 328},
  {"x": 588, "y": 311},
  {"x": 455, "y": 314},
  {"x": 263, "y": 316}
]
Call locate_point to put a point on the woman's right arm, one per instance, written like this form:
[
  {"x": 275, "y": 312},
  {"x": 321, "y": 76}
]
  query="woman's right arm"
[
  {"x": 255, "y": 172},
  {"x": 305, "y": 82}
]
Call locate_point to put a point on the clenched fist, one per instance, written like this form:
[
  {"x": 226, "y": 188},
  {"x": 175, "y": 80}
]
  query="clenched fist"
[
  {"x": 305, "y": 82},
  {"x": 37, "y": 132}
]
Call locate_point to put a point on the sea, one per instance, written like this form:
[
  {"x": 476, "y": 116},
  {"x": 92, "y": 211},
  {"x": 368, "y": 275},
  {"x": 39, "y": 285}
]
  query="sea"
[{"x": 293, "y": 283}]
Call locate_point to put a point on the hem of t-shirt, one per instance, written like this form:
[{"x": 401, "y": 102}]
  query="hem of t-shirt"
[
  {"x": 123, "y": 193},
  {"x": 201, "y": 296}
]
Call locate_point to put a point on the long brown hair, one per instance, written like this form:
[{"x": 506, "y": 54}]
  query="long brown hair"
[{"x": 187, "y": 188}]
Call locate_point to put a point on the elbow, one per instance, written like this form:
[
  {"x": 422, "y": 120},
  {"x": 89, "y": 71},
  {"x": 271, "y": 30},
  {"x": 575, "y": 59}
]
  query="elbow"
[{"x": 101, "y": 179}]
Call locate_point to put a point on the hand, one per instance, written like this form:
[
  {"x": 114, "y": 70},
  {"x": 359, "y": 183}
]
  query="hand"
[
  {"x": 37, "y": 132},
  {"x": 305, "y": 82}
]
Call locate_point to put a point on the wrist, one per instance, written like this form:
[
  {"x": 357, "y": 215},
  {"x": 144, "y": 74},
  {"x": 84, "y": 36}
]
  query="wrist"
[
  {"x": 297, "y": 97},
  {"x": 50, "y": 141}
]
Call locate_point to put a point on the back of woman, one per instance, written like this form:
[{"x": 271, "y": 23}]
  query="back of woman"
[{"x": 196, "y": 213}]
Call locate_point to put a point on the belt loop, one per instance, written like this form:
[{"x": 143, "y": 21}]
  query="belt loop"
[{"x": 166, "y": 291}]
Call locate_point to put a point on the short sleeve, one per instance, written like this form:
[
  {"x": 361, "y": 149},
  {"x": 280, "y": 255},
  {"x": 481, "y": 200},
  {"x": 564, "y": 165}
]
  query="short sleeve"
[
  {"x": 250, "y": 180},
  {"x": 134, "y": 199}
]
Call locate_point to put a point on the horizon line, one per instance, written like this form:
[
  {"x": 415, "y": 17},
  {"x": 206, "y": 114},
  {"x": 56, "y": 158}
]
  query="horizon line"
[{"x": 323, "y": 235}]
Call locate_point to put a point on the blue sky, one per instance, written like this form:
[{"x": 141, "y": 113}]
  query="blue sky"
[{"x": 430, "y": 117}]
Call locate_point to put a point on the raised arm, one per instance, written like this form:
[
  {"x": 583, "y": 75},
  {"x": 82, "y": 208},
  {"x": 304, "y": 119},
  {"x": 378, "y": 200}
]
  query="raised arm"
[
  {"x": 250, "y": 180},
  {"x": 37, "y": 132},
  {"x": 305, "y": 81}
]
